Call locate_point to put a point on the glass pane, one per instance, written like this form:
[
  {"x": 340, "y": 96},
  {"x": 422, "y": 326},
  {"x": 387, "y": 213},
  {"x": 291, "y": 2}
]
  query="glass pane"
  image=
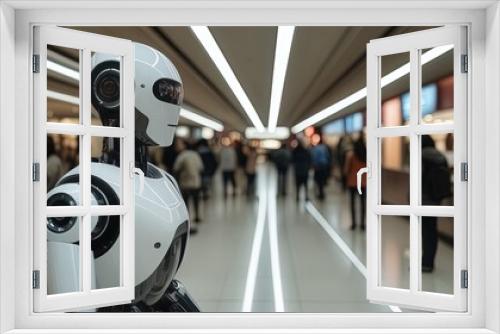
[
  {"x": 436, "y": 95},
  {"x": 106, "y": 251},
  {"x": 63, "y": 255},
  {"x": 437, "y": 254},
  {"x": 105, "y": 166},
  {"x": 63, "y": 182},
  {"x": 394, "y": 83},
  {"x": 63, "y": 84},
  {"x": 394, "y": 251},
  {"x": 437, "y": 169},
  {"x": 395, "y": 170},
  {"x": 106, "y": 89}
]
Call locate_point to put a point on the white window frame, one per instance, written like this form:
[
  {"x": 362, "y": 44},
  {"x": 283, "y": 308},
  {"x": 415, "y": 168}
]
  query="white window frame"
[
  {"x": 86, "y": 297},
  {"x": 412, "y": 44},
  {"x": 16, "y": 21}
]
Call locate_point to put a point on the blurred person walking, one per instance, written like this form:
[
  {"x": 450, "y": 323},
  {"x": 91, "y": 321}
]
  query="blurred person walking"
[
  {"x": 301, "y": 160},
  {"x": 436, "y": 186},
  {"x": 228, "y": 164},
  {"x": 321, "y": 162},
  {"x": 355, "y": 160},
  {"x": 209, "y": 167},
  {"x": 188, "y": 167},
  {"x": 281, "y": 158},
  {"x": 343, "y": 146},
  {"x": 250, "y": 169},
  {"x": 54, "y": 164}
]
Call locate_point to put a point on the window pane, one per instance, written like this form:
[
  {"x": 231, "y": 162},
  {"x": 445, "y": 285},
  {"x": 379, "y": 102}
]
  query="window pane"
[
  {"x": 63, "y": 255},
  {"x": 106, "y": 170},
  {"x": 395, "y": 170},
  {"x": 437, "y": 169},
  {"x": 106, "y": 251},
  {"x": 436, "y": 96},
  {"x": 394, "y": 251},
  {"x": 106, "y": 89},
  {"x": 394, "y": 81},
  {"x": 63, "y": 181},
  {"x": 63, "y": 84},
  {"x": 437, "y": 254}
]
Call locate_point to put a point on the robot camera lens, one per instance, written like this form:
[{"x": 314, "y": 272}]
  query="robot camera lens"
[
  {"x": 106, "y": 88},
  {"x": 60, "y": 224}
]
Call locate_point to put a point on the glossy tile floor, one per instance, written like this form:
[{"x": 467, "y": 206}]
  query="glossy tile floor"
[{"x": 246, "y": 247}]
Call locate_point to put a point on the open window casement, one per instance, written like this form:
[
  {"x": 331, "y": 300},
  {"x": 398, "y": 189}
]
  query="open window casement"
[
  {"x": 69, "y": 214},
  {"x": 396, "y": 65}
]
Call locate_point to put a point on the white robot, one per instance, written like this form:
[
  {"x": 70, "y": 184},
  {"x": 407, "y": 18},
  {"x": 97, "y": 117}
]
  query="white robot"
[{"x": 162, "y": 221}]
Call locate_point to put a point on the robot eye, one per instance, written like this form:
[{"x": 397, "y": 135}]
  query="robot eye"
[{"x": 169, "y": 91}]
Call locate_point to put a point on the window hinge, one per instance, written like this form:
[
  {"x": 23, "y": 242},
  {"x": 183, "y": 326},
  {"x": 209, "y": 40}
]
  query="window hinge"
[
  {"x": 36, "y": 63},
  {"x": 464, "y": 280},
  {"x": 36, "y": 279},
  {"x": 464, "y": 171},
  {"x": 36, "y": 172},
  {"x": 465, "y": 64}
]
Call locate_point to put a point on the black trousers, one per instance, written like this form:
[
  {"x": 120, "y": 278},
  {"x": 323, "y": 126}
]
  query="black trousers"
[
  {"x": 282, "y": 174},
  {"x": 228, "y": 177},
  {"x": 250, "y": 184},
  {"x": 362, "y": 198},
  {"x": 192, "y": 195},
  {"x": 429, "y": 241},
  {"x": 320, "y": 177},
  {"x": 301, "y": 181}
]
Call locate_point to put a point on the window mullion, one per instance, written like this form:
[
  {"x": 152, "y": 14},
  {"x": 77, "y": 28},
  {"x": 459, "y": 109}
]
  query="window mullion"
[{"x": 415, "y": 233}]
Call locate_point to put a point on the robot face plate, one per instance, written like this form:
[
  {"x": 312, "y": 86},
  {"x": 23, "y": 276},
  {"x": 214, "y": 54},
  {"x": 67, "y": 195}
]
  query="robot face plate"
[
  {"x": 158, "y": 97},
  {"x": 158, "y": 94}
]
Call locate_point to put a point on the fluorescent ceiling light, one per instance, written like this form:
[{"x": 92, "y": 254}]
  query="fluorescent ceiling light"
[
  {"x": 279, "y": 133},
  {"x": 63, "y": 97},
  {"x": 361, "y": 94},
  {"x": 63, "y": 70},
  {"x": 284, "y": 40},
  {"x": 215, "y": 53},
  {"x": 197, "y": 118},
  {"x": 194, "y": 117}
]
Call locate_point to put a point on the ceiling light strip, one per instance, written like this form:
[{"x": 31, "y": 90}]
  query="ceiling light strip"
[
  {"x": 208, "y": 41},
  {"x": 63, "y": 70},
  {"x": 192, "y": 116},
  {"x": 284, "y": 40},
  {"x": 361, "y": 94},
  {"x": 201, "y": 120}
]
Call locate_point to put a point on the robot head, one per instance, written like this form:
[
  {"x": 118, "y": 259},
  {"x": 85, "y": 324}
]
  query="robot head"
[{"x": 158, "y": 94}]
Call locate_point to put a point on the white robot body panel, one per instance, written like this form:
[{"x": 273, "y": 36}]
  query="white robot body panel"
[{"x": 159, "y": 213}]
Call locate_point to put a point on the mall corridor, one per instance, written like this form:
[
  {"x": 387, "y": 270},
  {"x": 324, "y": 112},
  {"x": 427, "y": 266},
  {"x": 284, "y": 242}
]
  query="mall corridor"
[{"x": 301, "y": 257}]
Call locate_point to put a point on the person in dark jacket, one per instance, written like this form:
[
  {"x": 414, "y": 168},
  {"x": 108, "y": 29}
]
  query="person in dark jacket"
[
  {"x": 436, "y": 185},
  {"x": 321, "y": 162},
  {"x": 301, "y": 160},
  {"x": 281, "y": 158},
  {"x": 209, "y": 167}
]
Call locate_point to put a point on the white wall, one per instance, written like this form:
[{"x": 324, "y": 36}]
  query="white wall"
[
  {"x": 7, "y": 176},
  {"x": 492, "y": 214}
]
